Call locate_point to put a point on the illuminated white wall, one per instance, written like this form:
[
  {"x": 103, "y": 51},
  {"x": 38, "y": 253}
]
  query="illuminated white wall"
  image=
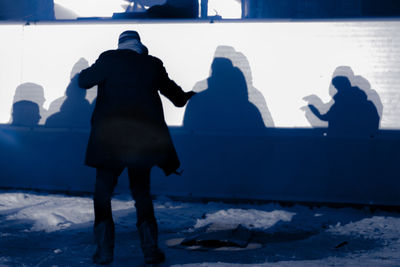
[
  {"x": 288, "y": 60},
  {"x": 10, "y": 67}
]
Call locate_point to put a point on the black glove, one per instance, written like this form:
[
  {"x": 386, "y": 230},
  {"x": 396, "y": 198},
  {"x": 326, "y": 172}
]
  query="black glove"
[{"x": 189, "y": 95}]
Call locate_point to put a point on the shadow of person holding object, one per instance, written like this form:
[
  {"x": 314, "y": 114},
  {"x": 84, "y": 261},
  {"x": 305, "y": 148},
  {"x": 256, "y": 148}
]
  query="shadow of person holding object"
[
  {"x": 351, "y": 114},
  {"x": 356, "y": 80}
]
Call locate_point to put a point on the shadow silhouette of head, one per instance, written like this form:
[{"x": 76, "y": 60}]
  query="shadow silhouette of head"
[
  {"x": 73, "y": 88},
  {"x": 238, "y": 59},
  {"x": 219, "y": 64},
  {"x": 80, "y": 65},
  {"x": 227, "y": 79},
  {"x": 31, "y": 92},
  {"x": 341, "y": 83},
  {"x": 25, "y": 113}
]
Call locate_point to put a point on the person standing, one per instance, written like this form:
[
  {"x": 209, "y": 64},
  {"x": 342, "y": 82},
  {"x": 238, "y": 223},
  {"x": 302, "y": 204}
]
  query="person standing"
[{"x": 128, "y": 130}]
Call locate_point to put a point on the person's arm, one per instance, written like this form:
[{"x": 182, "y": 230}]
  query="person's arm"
[
  {"x": 93, "y": 75},
  {"x": 316, "y": 112},
  {"x": 170, "y": 89}
]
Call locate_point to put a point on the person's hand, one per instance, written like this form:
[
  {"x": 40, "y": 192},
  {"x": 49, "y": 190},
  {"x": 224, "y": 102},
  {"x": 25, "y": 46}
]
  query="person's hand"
[{"x": 189, "y": 95}]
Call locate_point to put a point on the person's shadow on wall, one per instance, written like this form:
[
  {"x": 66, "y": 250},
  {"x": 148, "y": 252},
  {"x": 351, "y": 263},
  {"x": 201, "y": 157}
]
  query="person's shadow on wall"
[
  {"x": 222, "y": 102},
  {"x": 25, "y": 113},
  {"x": 27, "y": 108},
  {"x": 75, "y": 110},
  {"x": 355, "y": 109}
]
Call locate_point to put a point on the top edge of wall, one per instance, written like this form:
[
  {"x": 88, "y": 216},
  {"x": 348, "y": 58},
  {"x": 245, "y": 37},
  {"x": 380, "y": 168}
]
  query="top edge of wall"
[{"x": 192, "y": 21}]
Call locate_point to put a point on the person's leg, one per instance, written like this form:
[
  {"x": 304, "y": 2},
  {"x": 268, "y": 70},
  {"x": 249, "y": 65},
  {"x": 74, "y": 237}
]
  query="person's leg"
[
  {"x": 106, "y": 179},
  {"x": 139, "y": 180}
]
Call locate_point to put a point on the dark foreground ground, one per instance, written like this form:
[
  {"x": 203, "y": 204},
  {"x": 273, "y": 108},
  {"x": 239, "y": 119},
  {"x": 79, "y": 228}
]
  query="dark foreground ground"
[{"x": 55, "y": 230}]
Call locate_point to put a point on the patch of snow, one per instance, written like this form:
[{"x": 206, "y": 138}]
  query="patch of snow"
[
  {"x": 331, "y": 261},
  {"x": 251, "y": 218},
  {"x": 51, "y": 213},
  {"x": 57, "y": 251},
  {"x": 377, "y": 227},
  {"x": 17, "y": 200}
]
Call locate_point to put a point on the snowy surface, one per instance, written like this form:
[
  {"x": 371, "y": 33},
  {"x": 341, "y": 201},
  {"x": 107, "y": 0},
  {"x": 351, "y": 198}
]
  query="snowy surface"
[{"x": 39, "y": 229}]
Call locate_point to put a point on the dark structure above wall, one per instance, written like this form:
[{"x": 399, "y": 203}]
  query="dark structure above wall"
[
  {"x": 381, "y": 8},
  {"x": 27, "y": 10}
]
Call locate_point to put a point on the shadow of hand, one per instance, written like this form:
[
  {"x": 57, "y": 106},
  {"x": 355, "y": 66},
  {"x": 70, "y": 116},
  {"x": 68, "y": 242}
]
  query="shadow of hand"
[
  {"x": 314, "y": 109},
  {"x": 314, "y": 100}
]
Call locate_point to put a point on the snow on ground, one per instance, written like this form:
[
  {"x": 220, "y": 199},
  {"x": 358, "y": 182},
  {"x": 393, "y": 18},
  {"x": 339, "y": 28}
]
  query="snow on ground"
[
  {"x": 251, "y": 219},
  {"x": 38, "y": 229},
  {"x": 51, "y": 213}
]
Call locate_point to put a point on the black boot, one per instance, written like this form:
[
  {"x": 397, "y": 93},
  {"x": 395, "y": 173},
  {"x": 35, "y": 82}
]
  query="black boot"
[
  {"x": 148, "y": 234},
  {"x": 104, "y": 237}
]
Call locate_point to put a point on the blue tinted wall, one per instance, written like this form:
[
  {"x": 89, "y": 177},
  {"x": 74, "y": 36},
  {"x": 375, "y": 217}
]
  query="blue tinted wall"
[{"x": 271, "y": 120}]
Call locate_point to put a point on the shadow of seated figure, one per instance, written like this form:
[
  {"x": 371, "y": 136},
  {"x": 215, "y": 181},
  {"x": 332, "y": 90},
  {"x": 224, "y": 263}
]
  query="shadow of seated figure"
[
  {"x": 75, "y": 111},
  {"x": 25, "y": 113},
  {"x": 351, "y": 114},
  {"x": 34, "y": 93},
  {"x": 224, "y": 105}
]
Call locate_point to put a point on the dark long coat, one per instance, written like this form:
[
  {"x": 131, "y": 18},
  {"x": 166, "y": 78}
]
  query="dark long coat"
[{"x": 128, "y": 125}]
